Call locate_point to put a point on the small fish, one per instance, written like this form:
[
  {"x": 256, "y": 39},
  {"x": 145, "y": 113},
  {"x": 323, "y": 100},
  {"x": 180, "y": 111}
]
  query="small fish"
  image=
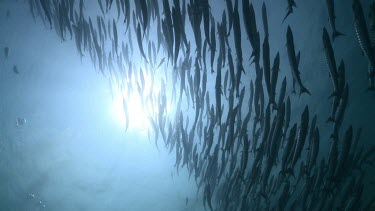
[
  {"x": 364, "y": 39},
  {"x": 140, "y": 44},
  {"x": 15, "y": 69},
  {"x": 231, "y": 71},
  {"x": 287, "y": 116},
  {"x": 251, "y": 29},
  {"x": 218, "y": 90},
  {"x": 301, "y": 138},
  {"x": 331, "y": 62},
  {"x": 20, "y": 121},
  {"x": 115, "y": 37},
  {"x": 344, "y": 153},
  {"x": 144, "y": 14},
  {"x": 230, "y": 14},
  {"x": 237, "y": 35},
  {"x": 267, "y": 65},
  {"x": 118, "y": 9},
  {"x": 291, "y": 4},
  {"x": 161, "y": 62},
  {"x": 264, "y": 18},
  {"x": 8, "y": 14},
  {"x": 341, "y": 75},
  {"x": 274, "y": 77},
  {"x": 314, "y": 149},
  {"x": 46, "y": 8},
  {"x": 6, "y": 52},
  {"x": 101, "y": 6},
  {"x": 288, "y": 150},
  {"x": 206, "y": 20},
  {"x": 340, "y": 112},
  {"x": 213, "y": 42},
  {"x": 127, "y": 15},
  {"x": 331, "y": 14},
  {"x": 176, "y": 17},
  {"x": 294, "y": 62},
  {"x": 282, "y": 93}
]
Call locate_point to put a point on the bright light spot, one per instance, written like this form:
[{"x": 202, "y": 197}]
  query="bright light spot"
[
  {"x": 142, "y": 100},
  {"x": 137, "y": 116}
]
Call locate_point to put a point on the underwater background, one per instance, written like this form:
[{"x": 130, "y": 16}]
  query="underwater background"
[{"x": 66, "y": 142}]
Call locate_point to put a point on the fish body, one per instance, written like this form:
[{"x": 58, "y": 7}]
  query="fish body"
[
  {"x": 331, "y": 62},
  {"x": 237, "y": 35},
  {"x": 6, "y": 52},
  {"x": 140, "y": 44},
  {"x": 264, "y": 18},
  {"x": 266, "y": 65},
  {"x": 363, "y": 36},
  {"x": 274, "y": 77},
  {"x": 301, "y": 137},
  {"x": 46, "y": 8},
  {"x": 294, "y": 62},
  {"x": 332, "y": 17}
]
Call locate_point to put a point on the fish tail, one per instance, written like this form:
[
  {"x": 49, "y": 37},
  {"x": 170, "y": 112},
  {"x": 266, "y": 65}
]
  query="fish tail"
[
  {"x": 287, "y": 14},
  {"x": 263, "y": 194},
  {"x": 275, "y": 107},
  {"x": 284, "y": 173},
  {"x": 304, "y": 90},
  {"x": 272, "y": 102},
  {"x": 334, "y": 135},
  {"x": 330, "y": 119},
  {"x": 290, "y": 171},
  {"x": 336, "y": 34},
  {"x": 294, "y": 4},
  {"x": 294, "y": 91}
]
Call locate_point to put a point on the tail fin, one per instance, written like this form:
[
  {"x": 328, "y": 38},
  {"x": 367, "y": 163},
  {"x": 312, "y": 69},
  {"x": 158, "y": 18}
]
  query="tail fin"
[
  {"x": 330, "y": 119},
  {"x": 272, "y": 102},
  {"x": 337, "y": 34},
  {"x": 294, "y": 3},
  {"x": 304, "y": 90},
  {"x": 290, "y": 171},
  {"x": 290, "y": 11},
  {"x": 334, "y": 136}
]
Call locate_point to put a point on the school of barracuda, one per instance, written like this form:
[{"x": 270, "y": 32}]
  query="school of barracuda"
[{"x": 241, "y": 147}]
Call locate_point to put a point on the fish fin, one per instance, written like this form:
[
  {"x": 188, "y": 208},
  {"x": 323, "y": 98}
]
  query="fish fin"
[
  {"x": 290, "y": 171},
  {"x": 294, "y": 4},
  {"x": 336, "y": 34},
  {"x": 333, "y": 136},
  {"x": 330, "y": 119},
  {"x": 304, "y": 90},
  {"x": 264, "y": 195}
]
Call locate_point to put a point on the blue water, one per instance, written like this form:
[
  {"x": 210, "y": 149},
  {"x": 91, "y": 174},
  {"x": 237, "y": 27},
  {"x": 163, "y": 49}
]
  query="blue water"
[{"x": 73, "y": 152}]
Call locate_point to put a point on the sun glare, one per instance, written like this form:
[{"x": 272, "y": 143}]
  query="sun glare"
[
  {"x": 137, "y": 116},
  {"x": 138, "y": 104}
]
